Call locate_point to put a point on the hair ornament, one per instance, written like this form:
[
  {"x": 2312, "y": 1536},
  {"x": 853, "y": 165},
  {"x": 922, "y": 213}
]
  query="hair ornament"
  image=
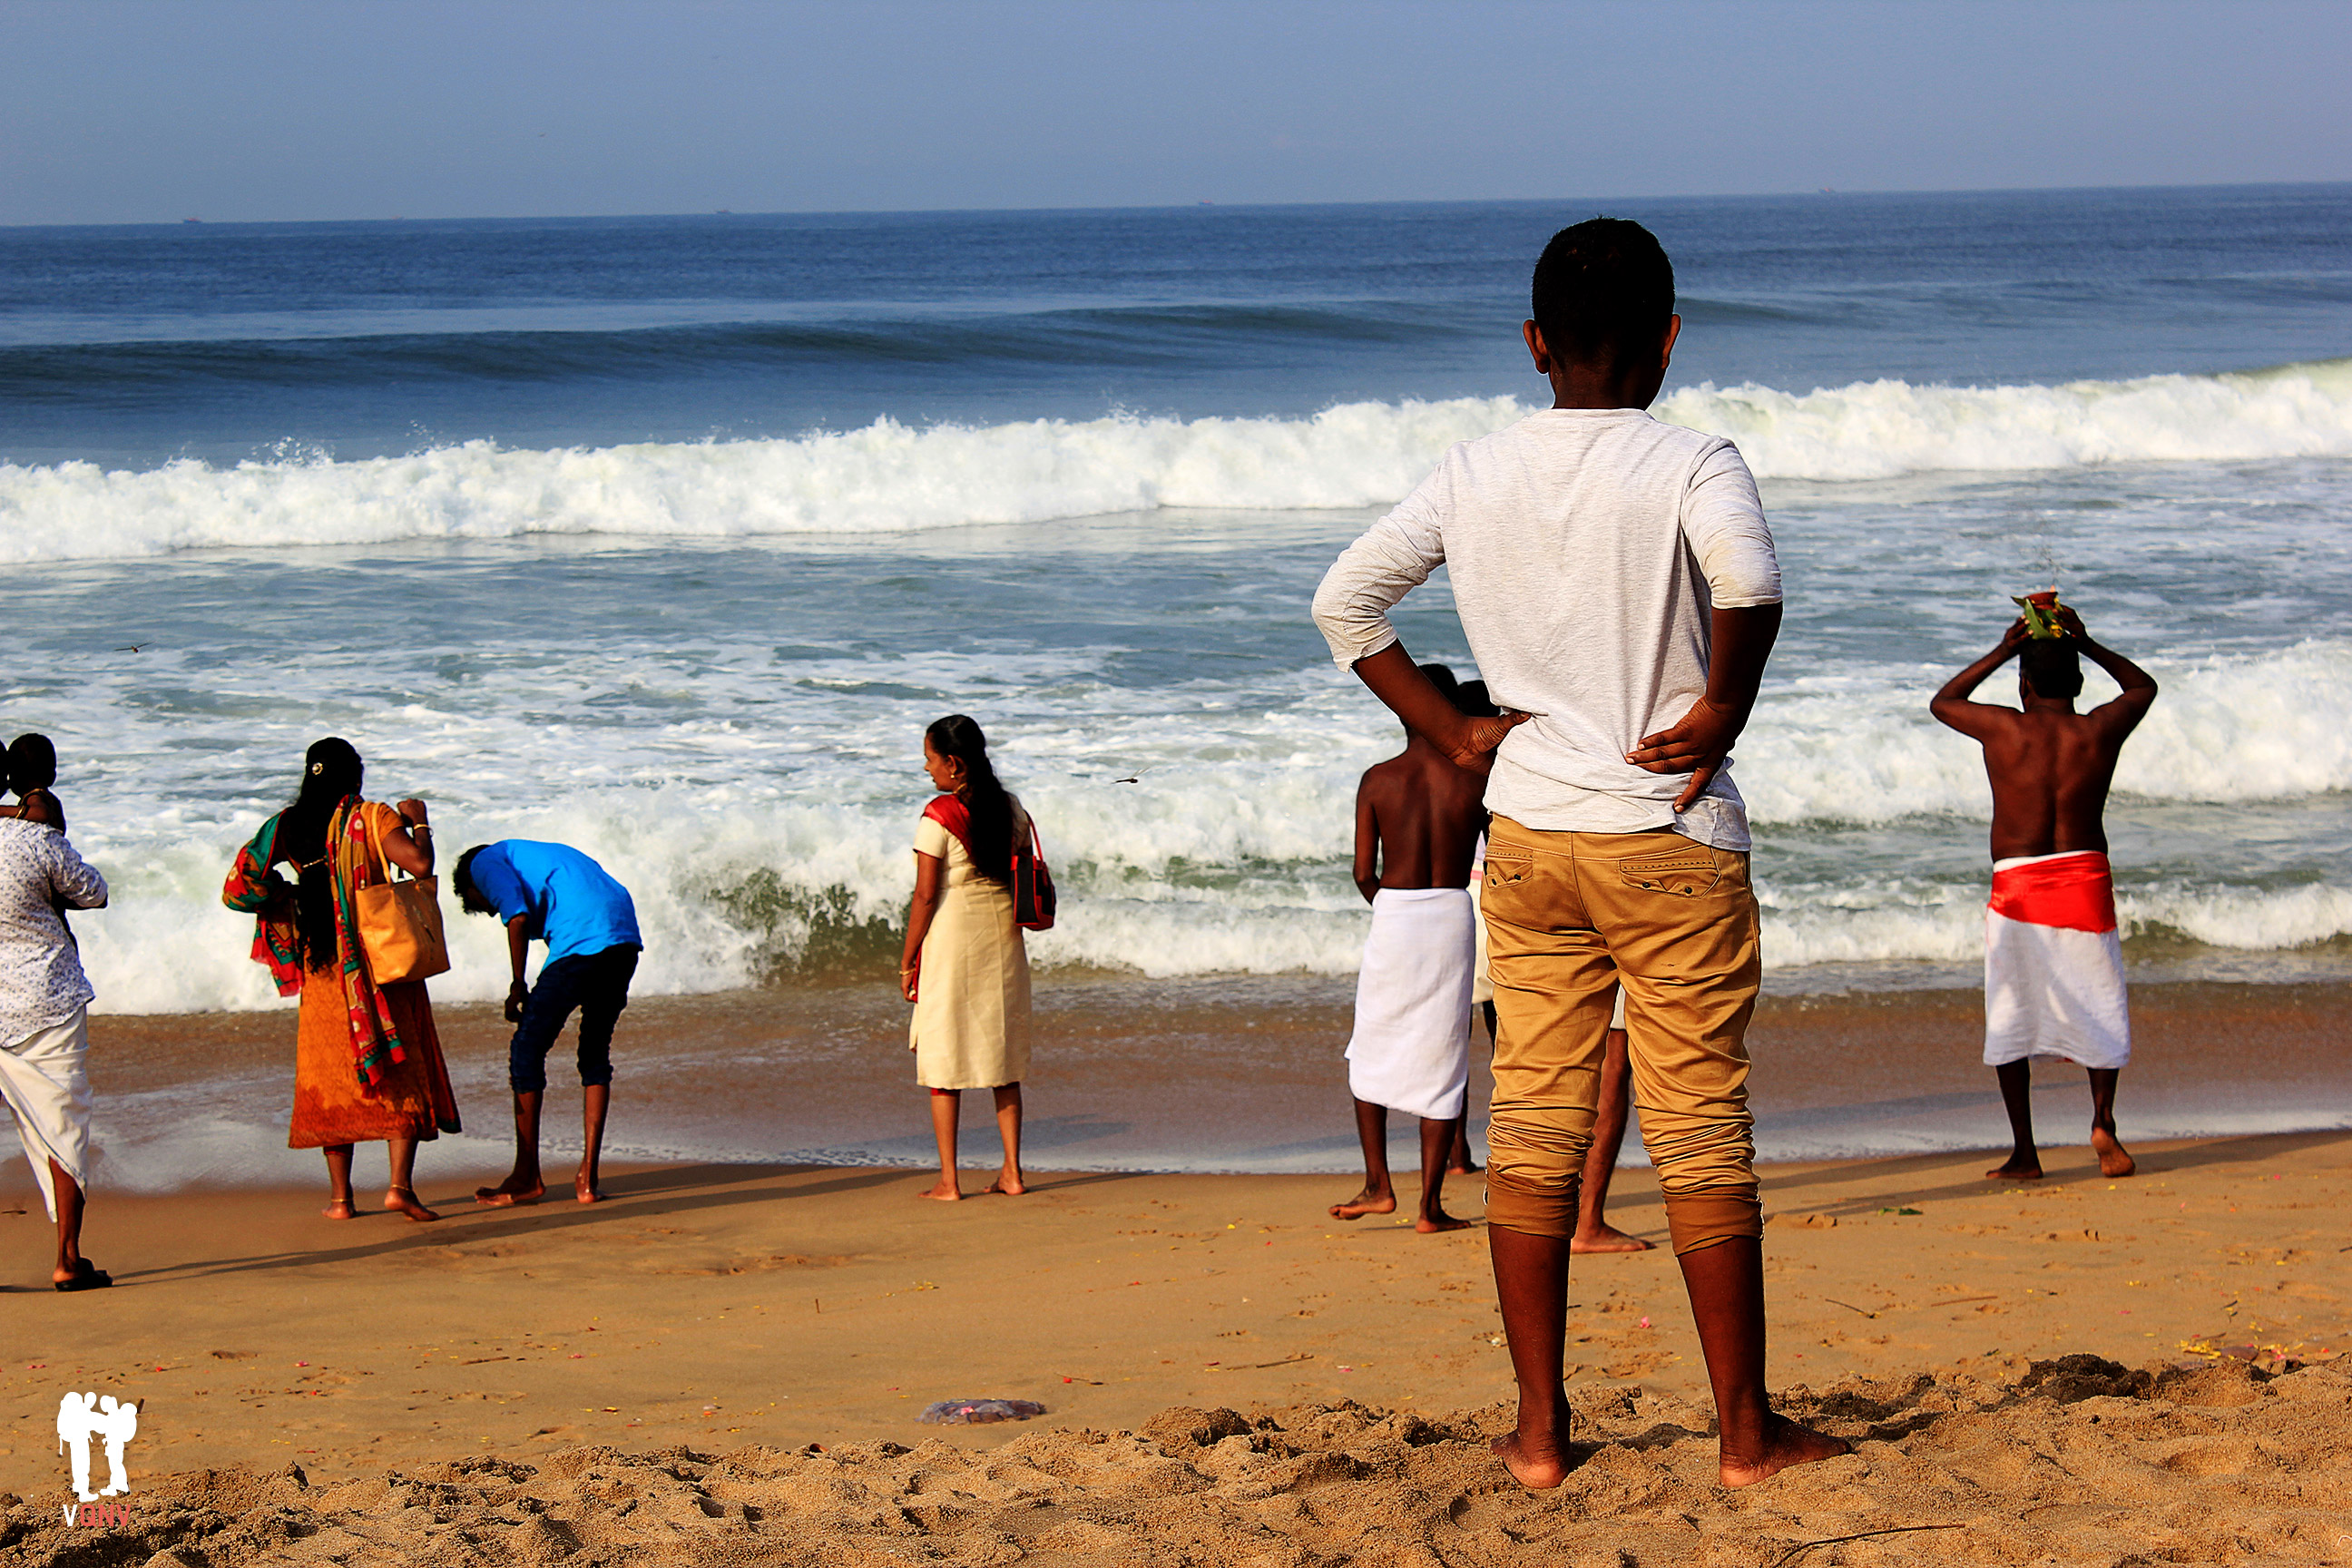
[{"x": 318, "y": 768}]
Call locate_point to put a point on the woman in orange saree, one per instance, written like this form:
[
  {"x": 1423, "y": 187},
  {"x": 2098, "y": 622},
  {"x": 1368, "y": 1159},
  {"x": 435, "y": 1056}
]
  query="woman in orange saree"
[{"x": 368, "y": 1062}]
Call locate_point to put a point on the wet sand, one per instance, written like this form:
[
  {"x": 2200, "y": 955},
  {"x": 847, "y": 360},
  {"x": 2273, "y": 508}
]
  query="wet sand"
[
  {"x": 1236, "y": 1074},
  {"x": 584, "y": 1355}
]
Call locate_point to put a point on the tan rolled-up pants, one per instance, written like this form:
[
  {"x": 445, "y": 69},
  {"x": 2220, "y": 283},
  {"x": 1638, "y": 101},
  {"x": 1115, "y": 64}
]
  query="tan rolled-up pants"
[{"x": 1569, "y": 916}]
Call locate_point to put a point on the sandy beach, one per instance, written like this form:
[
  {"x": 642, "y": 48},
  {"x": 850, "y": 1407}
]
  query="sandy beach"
[{"x": 727, "y": 1362}]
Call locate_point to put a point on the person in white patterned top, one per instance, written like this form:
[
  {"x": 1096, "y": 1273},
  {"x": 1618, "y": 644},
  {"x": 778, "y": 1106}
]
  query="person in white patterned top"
[{"x": 45, "y": 1026}]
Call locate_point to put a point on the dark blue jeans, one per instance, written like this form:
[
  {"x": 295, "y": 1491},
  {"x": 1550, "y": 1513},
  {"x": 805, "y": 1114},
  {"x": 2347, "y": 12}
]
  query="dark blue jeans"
[{"x": 595, "y": 985}]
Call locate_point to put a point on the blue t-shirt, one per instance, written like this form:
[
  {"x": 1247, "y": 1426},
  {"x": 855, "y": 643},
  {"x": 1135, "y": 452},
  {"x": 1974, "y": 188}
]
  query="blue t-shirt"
[{"x": 573, "y": 904}]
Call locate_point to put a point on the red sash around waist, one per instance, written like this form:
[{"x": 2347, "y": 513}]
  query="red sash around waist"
[{"x": 2076, "y": 892}]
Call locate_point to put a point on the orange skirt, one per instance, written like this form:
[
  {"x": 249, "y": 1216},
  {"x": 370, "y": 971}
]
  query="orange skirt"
[{"x": 412, "y": 1100}]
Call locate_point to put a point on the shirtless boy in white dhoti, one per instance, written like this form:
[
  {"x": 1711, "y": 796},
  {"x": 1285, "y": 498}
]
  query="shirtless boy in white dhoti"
[
  {"x": 1418, "y": 818},
  {"x": 2054, "y": 958}
]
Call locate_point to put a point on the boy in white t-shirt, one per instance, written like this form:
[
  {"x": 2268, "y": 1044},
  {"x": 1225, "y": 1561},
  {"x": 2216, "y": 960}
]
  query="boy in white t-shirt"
[{"x": 1617, "y": 583}]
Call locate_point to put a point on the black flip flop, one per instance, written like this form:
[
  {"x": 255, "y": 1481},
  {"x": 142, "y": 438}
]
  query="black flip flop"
[{"x": 87, "y": 1276}]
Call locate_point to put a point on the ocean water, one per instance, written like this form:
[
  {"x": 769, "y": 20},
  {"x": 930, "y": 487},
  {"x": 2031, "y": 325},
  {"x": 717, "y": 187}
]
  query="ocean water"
[{"x": 666, "y": 537}]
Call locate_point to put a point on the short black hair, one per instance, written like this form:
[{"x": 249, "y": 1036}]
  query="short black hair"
[
  {"x": 1603, "y": 292},
  {"x": 2052, "y": 668},
  {"x": 1472, "y": 699},
  {"x": 32, "y": 764},
  {"x": 461, "y": 878}
]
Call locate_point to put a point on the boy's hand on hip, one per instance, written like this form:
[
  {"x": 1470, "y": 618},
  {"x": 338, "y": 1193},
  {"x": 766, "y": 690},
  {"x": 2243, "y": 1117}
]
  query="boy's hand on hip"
[
  {"x": 1474, "y": 752},
  {"x": 1697, "y": 745}
]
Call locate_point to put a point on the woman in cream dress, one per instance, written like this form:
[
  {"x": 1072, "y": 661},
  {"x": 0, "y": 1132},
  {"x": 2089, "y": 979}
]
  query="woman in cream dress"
[{"x": 965, "y": 968}]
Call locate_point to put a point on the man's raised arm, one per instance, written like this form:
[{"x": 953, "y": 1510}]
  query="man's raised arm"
[
  {"x": 1951, "y": 704},
  {"x": 2129, "y": 706}
]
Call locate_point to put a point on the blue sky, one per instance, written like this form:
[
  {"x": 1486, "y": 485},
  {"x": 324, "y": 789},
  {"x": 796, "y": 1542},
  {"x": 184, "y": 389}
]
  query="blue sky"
[{"x": 147, "y": 110}]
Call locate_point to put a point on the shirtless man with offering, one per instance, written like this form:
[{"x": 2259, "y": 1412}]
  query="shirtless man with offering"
[{"x": 2054, "y": 958}]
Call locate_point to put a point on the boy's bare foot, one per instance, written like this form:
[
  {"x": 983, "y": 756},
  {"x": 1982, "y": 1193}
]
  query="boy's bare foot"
[
  {"x": 1438, "y": 1220},
  {"x": 2028, "y": 1169},
  {"x": 338, "y": 1208},
  {"x": 1364, "y": 1203},
  {"x": 2114, "y": 1160},
  {"x": 514, "y": 1190},
  {"x": 1605, "y": 1238},
  {"x": 1538, "y": 1471},
  {"x": 584, "y": 1189},
  {"x": 943, "y": 1190},
  {"x": 1007, "y": 1187},
  {"x": 1785, "y": 1444},
  {"x": 1468, "y": 1168},
  {"x": 400, "y": 1200}
]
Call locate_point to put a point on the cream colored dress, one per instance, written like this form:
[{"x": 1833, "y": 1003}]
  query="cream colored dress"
[{"x": 970, "y": 1028}]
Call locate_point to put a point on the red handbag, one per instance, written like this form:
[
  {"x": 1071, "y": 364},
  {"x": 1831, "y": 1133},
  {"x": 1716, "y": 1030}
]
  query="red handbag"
[{"x": 1033, "y": 885}]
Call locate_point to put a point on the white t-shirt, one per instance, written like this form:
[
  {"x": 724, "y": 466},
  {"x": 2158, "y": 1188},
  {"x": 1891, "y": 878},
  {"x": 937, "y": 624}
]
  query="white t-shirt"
[{"x": 1587, "y": 548}]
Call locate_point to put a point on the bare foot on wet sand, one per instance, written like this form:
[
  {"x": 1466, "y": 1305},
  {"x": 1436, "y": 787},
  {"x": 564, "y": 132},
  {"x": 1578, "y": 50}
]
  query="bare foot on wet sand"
[
  {"x": 1433, "y": 1221},
  {"x": 510, "y": 1193},
  {"x": 1606, "y": 1238},
  {"x": 582, "y": 1189},
  {"x": 338, "y": 1208},
  {"x": 2114, "y": 1160},
  {"x": 2026, "y": 1169},
  {"x": 1364, "y": 1203},
  {"x": 1786, "y": 1444},
  {"x": 1007, "y": 1187},
  {"x": 1537, "y": 1469},
  {"x": 400, "y": 1200},
  {"x": 943, "y": 1191}
]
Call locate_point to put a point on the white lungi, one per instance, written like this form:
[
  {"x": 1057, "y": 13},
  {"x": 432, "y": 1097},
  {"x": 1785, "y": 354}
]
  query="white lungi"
[
  {"x": 2054, "y": 963},
  {"x": 1410, "y": 1049},
  {"x": 44, "y": 1080}
]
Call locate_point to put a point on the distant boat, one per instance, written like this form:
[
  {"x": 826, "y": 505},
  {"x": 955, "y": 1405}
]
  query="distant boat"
[{"x": 191, "y": 220}]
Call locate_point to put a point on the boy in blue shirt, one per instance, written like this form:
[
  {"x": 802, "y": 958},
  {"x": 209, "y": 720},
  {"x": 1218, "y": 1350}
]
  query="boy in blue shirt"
[{"x": 553, "y": 893}]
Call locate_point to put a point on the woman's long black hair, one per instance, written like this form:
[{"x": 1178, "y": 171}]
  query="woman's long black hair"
[
  {"x": 332, "y": 772},
  {"x": 959, "y": 736}
]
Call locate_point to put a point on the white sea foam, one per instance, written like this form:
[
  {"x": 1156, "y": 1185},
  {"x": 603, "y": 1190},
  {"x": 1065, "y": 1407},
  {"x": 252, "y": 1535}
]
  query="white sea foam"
[
  {"x": 891, "y": 478},
  {"x": 1881, "y": 429},
  {"x": 1229, "y": 855}
]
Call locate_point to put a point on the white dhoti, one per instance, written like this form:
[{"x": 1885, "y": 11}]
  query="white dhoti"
[
  {"x": 2054, "y": 963},
  {"x": 45, "y": 1082},
  {"x": 1410, "y": 1050}
]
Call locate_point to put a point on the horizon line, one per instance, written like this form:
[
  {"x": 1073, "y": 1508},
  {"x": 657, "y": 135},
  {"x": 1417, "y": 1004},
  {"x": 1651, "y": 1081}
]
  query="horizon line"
[{"x": 1824, "y": 191}]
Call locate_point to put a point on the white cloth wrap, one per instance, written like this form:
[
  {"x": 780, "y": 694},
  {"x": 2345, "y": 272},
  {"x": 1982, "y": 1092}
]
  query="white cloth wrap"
[
  {"x": 46, "y": 1087},
  {"x": 1410, "y": 1049},
  {"x": 2053, "y": 991}
]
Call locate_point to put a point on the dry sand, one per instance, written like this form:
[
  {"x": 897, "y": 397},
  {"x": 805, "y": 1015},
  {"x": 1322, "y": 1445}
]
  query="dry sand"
[{"x": 645, "y": 1378}]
